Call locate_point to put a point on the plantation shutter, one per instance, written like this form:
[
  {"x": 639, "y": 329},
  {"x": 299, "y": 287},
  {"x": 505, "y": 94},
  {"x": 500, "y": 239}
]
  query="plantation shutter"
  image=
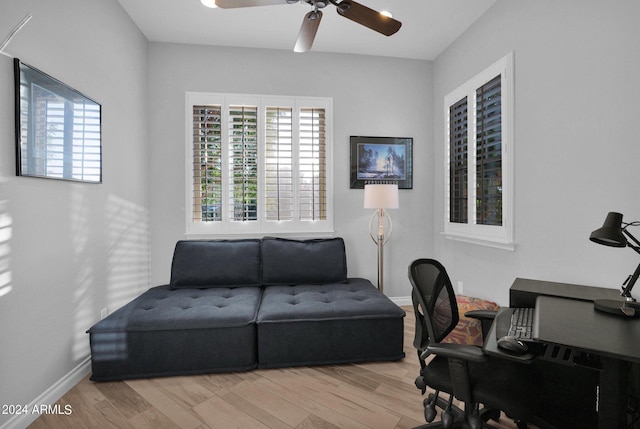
[
  {"x": 489, "y": 153},
  {"x": 312, "y": 181},
  {"x": 259, "y": 165},
  {"x": 207, "y": 163},
  {"x": 243, "y": 163},
  {"x": 279, "y": 197},
  {"x": 458, "y": 158}
]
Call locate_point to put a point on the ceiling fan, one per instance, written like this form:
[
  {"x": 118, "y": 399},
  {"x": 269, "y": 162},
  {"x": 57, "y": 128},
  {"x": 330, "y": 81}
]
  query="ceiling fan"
[{"x": 348, "y": 8}]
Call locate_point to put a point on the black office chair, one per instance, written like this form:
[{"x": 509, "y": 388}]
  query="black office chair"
[{"x": 462, "y": 371}]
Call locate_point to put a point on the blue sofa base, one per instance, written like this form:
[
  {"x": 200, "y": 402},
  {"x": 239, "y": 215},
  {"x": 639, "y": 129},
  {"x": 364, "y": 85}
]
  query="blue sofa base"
[{"x": 237, "y": 305}]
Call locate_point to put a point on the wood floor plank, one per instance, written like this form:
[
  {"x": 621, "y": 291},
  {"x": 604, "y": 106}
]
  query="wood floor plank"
[
  {"x": 113, "y": 415},
  {"x": 183, "y": 418},
  {"x": 152, "y": 419},
  {"x": 183, "y": 390},
  {"x": 342, "y": 374},
  {"x": 315, "y": 422},
  {"x": 279, "y": 407},
  {"x": 220, "y": 414},
  {"x": 341, "y": 401},
  {"x": 311, "y": 405},
  {"x": 267, "y": 418},
  {"x": 408, "y": 423},
  {"x": 123, "y": 397},
  {"x": 220, "y": 384}
]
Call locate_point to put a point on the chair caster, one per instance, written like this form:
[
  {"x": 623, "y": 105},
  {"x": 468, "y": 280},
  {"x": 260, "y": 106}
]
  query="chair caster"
[
  {"x": 475, "y": 422},
  {"x": 430, "y": 409},
  {"x": 447, "y": 418}
]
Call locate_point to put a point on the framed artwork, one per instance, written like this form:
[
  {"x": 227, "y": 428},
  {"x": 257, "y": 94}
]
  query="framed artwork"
[{"x": 381, "y": 160}]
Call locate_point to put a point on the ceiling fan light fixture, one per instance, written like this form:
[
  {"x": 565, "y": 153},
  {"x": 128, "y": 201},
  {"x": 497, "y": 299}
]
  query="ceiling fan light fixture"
[
  {"x": 386, "y": 13},
  {"x": 349, "y": 9},
  {"x": 209, "y": 3}
]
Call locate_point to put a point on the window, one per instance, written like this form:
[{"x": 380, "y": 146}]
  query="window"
[
  {"x": 479, "y": 158},
  {"x": 258, "y": 165}
]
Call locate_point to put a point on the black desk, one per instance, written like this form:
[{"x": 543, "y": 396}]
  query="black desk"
[
  {"x": 585, "y": 355},
  {"x": 576, "y": 324}
]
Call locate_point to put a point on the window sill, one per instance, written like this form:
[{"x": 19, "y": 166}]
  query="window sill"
[
  {"x": 510, "y": 246},
  {"x": 232, "y": 236}
]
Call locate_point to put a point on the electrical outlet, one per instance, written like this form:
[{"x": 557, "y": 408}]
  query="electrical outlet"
[
  {"x": 460, "y": 288},
  {"x": 104, "y": 313}
]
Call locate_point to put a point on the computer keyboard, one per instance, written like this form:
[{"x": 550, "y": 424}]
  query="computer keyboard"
[{"x": 521, "y": 323}]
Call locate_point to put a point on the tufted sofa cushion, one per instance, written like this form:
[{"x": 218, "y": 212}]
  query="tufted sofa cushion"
[
  {"x": 161, "y": 308},
  {"x": 292, "y": 262},
  {"x": 354, "y": 300},
  {"x": 215, "y": 263},
  {"x": 327, "y": 324},
  {"x": 169, "y": 332}
]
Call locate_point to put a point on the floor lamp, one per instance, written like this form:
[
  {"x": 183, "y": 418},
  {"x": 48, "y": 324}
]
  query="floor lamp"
[{"x": 380, "y": 197}]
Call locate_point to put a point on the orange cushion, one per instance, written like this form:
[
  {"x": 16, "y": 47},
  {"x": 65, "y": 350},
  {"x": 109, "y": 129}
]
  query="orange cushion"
[{"x": 469, "y": 330}]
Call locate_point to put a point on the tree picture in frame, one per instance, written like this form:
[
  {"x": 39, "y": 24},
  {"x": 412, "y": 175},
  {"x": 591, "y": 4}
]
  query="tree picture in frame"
[{"x": 381, "y": 160}]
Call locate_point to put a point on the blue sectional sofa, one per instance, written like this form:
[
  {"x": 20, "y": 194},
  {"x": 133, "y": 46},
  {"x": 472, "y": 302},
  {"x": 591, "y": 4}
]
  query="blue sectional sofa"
[{"x": 234, "y": 305}]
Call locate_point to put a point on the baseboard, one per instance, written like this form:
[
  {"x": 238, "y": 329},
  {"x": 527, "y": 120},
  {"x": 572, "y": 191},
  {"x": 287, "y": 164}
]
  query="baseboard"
[
  {"x": 50, "y": 396},
  {"x": 401, "y": 300}
]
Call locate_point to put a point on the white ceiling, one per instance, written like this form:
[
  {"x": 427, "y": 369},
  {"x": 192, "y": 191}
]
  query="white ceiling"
[{"x": 428, "y": 26}]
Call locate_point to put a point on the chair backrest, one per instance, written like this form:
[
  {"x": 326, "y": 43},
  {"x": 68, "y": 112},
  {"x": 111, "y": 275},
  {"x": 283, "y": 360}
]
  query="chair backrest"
[{"x": 434, "y": 302}]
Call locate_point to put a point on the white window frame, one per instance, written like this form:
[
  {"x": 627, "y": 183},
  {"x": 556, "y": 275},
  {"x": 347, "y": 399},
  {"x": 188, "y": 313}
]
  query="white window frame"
[
  {"x": 490, "y": 235},
  {"x": 234, "y": 229}
]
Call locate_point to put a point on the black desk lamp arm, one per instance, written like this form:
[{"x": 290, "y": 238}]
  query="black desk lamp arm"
[{"x": 631, "y": 280}]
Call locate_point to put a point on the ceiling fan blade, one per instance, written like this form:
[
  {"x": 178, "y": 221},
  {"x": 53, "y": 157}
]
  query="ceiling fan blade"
[
  {"x": 308, "y": 31},
  {"x": 230, "y": 4},
  {"x": 368, "y": 17}
]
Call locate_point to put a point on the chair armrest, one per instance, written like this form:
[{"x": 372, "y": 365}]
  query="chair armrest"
[
  {"x": 482, "y": 314},
  {"x": 457, "y": 351}
]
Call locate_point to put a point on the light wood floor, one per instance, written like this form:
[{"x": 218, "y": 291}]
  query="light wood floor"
[{"x": 372, "y": 395}]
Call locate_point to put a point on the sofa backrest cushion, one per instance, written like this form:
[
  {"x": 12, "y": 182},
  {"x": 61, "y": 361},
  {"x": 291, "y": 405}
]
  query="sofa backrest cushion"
[
  {"x": 216, "y": 263},
  {"x": 293, "y": 262}
]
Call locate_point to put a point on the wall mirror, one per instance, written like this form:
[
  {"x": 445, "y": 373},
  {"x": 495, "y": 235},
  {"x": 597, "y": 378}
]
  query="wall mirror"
[{"x": 58, "y": 129}]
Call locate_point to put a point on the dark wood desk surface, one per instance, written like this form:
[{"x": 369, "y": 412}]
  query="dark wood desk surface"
[
  {"x": 523, "y": 292},
  {"x": 577, "y": 324}
]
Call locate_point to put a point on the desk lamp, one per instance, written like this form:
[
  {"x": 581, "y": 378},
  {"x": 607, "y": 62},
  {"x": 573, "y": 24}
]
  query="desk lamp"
[
  {"x": 380, "y": 197},
  {"x": 612, "y": 234}
]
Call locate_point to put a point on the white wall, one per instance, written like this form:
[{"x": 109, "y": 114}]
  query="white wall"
[
  {"x": 67, "y": 250},
  {"x": 372, "y": 96},
  {"x": 576, "y": 139}
]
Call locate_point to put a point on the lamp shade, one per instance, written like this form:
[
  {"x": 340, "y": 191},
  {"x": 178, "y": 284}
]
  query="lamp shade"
[
  {"x": 381, "y": 196},
  {"x": 611, "y": 232}
]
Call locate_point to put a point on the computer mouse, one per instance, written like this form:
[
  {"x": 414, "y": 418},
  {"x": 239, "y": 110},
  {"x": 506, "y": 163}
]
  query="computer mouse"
[{"x": 512, "y": 344}]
